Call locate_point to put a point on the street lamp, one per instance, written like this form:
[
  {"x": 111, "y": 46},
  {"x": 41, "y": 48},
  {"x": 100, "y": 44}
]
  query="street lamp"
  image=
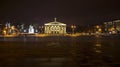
[
  {"x": 73, "y": 28},
  {"x": 13, "y": 29},
  {"x": 98, "y": 29},
  {"x": 4, "y": 32}
]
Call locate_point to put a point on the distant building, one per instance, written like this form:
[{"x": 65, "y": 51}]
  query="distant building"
[
  {"x": 112, "y": 27},
  {"x": 55, "y": 27},
  {"x": 28, "y": 28},
  {"x": 31, "y": 29},
  {"x": 10, "y": 29},
  {"x": 117, "y": 25},
  {"x": 108, "y": 26}
]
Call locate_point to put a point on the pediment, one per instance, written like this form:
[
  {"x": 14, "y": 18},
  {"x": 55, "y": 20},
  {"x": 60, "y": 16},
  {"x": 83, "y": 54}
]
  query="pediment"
[{"x": 55, "y": 23}]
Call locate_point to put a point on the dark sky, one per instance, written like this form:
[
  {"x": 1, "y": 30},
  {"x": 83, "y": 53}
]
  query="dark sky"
[{"x": 82, "y": 12}]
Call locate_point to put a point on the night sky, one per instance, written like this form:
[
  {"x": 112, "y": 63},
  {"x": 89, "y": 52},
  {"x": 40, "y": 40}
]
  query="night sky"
[{"x": 79, "y": 12}]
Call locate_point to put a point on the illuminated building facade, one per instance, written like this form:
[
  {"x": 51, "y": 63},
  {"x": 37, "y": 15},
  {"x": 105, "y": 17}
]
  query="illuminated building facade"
[
  {"x": 112, "y": 27},
  {"x": 28, "y": 29},
  {"x": 31, "y": 29},
  {"x": 117, "y": 25},
  {"x": 10, "y": 29},
  {"x": 55, "y": 27}
]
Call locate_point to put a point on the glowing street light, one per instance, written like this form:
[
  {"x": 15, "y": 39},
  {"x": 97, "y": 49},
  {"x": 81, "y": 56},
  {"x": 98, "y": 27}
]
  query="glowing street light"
[
  {"x": 98, "y": 29},
  {"x": 97, "y": 26},
  {"x": 13, "y": 27},
  {"x": 4, "y": 32}
]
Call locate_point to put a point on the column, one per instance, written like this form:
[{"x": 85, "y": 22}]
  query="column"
[
  {"x": 49, "y": 29},
  {"x": 64, "y": 29},
  {"x": 45, "y": 29},
  {"x": 61, "y": 29}
]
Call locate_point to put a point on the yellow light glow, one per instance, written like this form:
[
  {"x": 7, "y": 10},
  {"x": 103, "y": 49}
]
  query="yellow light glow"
[
  {"x": 98, "y": 45},
  {"x": 73, "y": 26},
  {"x": 4, "y": 32},
  {"x": 97, "y": 26},
  {"x": 100, "y": 30},
  {"x": 12, "y": 27},
  {"x": 112, "y": 29}
]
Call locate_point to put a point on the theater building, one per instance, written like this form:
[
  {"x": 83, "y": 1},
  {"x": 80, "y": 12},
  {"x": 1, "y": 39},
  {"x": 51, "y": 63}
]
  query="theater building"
[{"x": 55, "y": 27}]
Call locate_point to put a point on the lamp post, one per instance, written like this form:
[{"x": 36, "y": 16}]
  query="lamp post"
[
  {"x": 73, "y": 28},
  {"x": 41, "y": 29}
]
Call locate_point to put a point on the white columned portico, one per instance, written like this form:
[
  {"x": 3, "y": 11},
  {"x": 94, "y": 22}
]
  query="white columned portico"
[{"x": 55, "y": 27}]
